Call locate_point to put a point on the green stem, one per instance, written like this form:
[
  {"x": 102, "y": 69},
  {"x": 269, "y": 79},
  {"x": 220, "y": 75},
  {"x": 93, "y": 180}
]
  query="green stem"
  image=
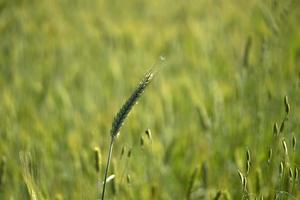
[{"x": 107, "y": 165}]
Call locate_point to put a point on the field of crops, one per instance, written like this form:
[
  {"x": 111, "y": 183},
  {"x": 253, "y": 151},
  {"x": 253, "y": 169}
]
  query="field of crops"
[{"x": 220, "y": 119}]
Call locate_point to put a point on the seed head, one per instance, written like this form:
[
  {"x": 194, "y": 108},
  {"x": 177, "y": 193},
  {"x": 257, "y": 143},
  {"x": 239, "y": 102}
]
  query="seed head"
[
  {"x": 126, "y": 108},
  {"x": 296, "y": 174},
  {"x": 281, "y": 169},
  {"x": 282, "y": 125},
  {"x": 128, "y": 179},
  {"x": 291, "y": 174},
  {"x": 245, "y": 184},
  {"x": 148, "y": 133},
  {"x": 294, "y": 143},
  {"x": 248, "y": 157},
  {"x": 287, "y": 105},
  {"x": 110, "y": 178},
  {"x": 129, "y": 153},
  {"x": 142, "y": 141},
  {"x": 248, "y": 164},
  {"x": 218, "y": 195},
  {"x": 122, "y": 151},
  {"x": 270, "y": 155},
  {"x": 284, "y": 147},
  {"x": 97, "y": 159},
  {"x": 241, "y": 176},
  {"x": 275, "y": 129}
]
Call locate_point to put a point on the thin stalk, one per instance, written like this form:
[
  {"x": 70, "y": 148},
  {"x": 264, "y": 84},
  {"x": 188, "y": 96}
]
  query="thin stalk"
[
  {"x": 107, "y": 165},
  {"x": 121, "y": 116}
]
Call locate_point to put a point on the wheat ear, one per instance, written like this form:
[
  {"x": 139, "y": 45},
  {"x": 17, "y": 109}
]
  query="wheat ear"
[{"x": 121, "y": 116}]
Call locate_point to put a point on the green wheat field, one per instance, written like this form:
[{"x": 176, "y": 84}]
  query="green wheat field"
[{"x": 219, "y": 121}]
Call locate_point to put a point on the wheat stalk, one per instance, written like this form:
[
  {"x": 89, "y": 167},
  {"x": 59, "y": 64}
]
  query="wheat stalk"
[{"x": 121, "y": 116}]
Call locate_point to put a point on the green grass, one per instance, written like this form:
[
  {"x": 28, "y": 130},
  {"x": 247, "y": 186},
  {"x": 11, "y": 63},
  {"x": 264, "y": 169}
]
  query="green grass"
[{"x": 66, "y": 67}]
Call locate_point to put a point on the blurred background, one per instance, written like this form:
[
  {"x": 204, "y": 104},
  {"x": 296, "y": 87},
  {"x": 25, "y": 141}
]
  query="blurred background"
[{"x": 67, "y": 66}]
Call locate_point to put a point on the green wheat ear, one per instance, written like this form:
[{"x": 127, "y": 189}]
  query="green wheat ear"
[
  {"x": 131, "y": 101},
  {"x": 121, "y": 116}
]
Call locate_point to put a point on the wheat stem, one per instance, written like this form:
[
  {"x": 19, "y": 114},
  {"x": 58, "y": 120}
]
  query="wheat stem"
[
  {"x": 107, "y": 165},
  {"x": 121, "y": 116}
]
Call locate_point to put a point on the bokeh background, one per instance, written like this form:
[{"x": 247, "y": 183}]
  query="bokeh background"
[{"x": 67, "y": 66}]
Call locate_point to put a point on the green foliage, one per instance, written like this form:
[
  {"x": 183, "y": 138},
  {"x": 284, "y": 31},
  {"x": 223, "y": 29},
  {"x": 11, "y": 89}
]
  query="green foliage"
[{"x": 66, "y": 67}]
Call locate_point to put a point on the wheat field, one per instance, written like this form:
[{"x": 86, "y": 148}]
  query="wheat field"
[{"x": 220, "y": 119}]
